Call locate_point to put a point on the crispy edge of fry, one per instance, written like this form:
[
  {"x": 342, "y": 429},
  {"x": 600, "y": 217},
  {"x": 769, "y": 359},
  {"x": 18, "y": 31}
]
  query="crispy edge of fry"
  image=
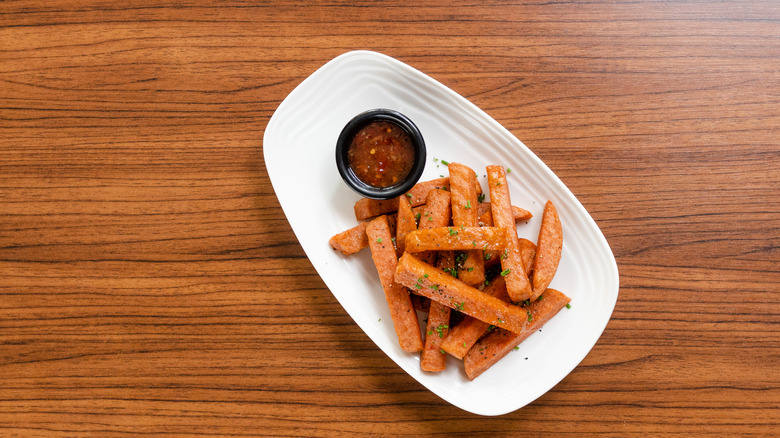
[
  {"x": 497, "y": 344},
  {"x": 456, "y": 239},
  {"x": 402, "y": 312},
  {"x": 548, "y": 250},
  {"x": 518, "y": 285},
  {"x": 424, "y": 279},
  {"x": 462, "y": 336},
  {"x": 366, "y": 208},
  {"x": 405, "y": 223},
  {"x": 463, "y": 186},
  {"x": 350, "y": 241}
]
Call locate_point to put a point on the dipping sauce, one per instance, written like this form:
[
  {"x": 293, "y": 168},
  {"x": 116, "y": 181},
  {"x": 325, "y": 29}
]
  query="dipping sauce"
[{"x": 381, "y": 154}]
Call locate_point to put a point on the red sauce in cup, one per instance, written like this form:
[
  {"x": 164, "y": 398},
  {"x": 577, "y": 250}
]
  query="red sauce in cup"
[{"x": 381, "y": 154}]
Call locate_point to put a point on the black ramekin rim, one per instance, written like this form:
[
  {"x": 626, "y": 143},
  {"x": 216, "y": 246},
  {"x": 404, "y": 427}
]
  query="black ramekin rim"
[{"x": 345, "y": 140}]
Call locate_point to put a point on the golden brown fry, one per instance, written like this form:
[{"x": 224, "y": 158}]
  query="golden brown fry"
[
  {"x": 548, "y": 250},
  {"x": 405, "y": 223},
  {"x": 366, "y": 208},
  {"x": 351, "y": 240},
  {"x": 433, "y": 358},
  {"x": 517, "y": 284},
  {"x": 405, "y": 322},
  {"x": 498, "y": 343},
  {"x": 463, "y": 186},
  {"x": 442, "y": 287},
  {"x": 437, "y": 213},
  {"x": 455, "y": 239},
  {"x": 486, "y": 217}
]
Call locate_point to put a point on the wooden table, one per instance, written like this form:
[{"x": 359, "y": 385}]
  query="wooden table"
[{"x": 151, "y": 285}]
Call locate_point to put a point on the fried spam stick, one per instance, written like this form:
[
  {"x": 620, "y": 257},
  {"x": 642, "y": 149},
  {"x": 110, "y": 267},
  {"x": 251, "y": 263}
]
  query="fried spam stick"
[
  {"x": 351, "y": 240},
  {"x": 366, "y": 208},
  {"x": 433, "y": 358},
  {"x": 435, "y": 214},
  {"x": 354, "y": 239},
  {"x": 454, "y": 239},
  {"x": 486, "y": 217},
  {"x": 440, "y": 286},
  {"x": 407, "y": 327},
  {"x": 548, "y": 250},
  {"x": 498, "y": 343},
  {"x": 517, "y": 284},
  {"x": 405, "y": 223},
  {"x": 464, "y": 335},
  {"x": 463, "y": 186}
]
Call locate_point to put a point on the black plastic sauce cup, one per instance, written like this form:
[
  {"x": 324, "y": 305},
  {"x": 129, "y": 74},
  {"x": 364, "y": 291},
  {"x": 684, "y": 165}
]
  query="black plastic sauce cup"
[{"x": 348, "y": 134}]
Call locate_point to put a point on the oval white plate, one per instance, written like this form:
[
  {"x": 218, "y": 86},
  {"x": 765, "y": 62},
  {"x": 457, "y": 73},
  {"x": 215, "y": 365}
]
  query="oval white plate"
[{"x": 298, "y": 147}]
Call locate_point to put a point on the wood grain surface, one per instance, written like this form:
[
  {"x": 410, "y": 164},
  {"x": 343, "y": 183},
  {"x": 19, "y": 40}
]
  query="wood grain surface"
[{"x": 150, "y": 284}]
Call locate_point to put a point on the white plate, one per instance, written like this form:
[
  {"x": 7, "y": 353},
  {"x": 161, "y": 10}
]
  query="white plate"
[{"x": 299, "y": 151}]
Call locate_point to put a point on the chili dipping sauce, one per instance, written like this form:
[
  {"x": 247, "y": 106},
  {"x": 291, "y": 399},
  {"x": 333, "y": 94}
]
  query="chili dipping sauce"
[{"x": 381, "y": 154}]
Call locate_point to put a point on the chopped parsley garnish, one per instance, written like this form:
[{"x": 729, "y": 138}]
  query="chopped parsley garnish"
[
  {"x": 452, "y": 231},
  {"x": 481, "y": 197},
  {"x": 568, "y": 306},
  {"x": 506, "y": 272},
  {"x": 459, "y": 306},
  {"x": 379, "y": 240},
  {"x": 444, "y": 162},
  {"x": 468, "y": 204},
  {"x": 530, "y": 317},
  {"x": 440, "y": 329}
]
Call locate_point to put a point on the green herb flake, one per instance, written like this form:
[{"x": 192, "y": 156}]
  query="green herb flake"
[
  {"x": 506, "y": 272},
  {"x": 568, "y": 306},
  {"x": 508, "y": 170},
  {"x": 481, "y": 197},
  {"x": 379, "y": 240},
  {"x": 452, "y": 231},
  {"x": 409, "y": 195},
  {"x": 530, "y": 316},
  {"x": 444, "y": 162},
  {"x": 468, "y": 204},
  {"x": 440, "y": 329},
  {"x": 517, "y": 348}
]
